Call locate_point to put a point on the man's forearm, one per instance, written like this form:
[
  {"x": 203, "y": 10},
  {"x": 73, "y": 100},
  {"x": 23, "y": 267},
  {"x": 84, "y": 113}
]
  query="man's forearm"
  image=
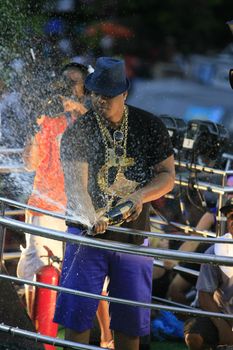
[
  {"x": 162, "y": 183},
  {"x": 158, "y": 187}
]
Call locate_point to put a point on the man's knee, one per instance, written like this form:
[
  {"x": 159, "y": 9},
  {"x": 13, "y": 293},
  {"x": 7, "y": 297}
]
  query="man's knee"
[
  {"x": 174, "y": 291},
  {"x": 194, "y": 341}
]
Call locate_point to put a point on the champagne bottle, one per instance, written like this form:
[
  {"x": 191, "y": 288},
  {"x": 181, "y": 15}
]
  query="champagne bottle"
[{"x": 116, "y": 215}]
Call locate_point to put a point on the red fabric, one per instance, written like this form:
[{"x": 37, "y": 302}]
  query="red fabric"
[{"x": 48, "y": 188}]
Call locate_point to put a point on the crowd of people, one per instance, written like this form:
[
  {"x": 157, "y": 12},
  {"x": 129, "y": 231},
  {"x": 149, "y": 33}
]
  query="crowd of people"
[
  {"x": 91, "y": 151},
  {"x": 214, "y": 294}
]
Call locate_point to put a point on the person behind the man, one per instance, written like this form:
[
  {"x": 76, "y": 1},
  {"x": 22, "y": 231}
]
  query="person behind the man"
[
  {"x": 215, "y": 293},
  {"x": 62, "y": 106},
  {"x": 115, "y": 152},
  {"x": 75, "y": 74}
]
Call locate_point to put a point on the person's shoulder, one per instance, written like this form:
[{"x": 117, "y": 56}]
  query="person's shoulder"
[
  {"x": 84, "y": 120},
  {"x": 143, "y": 115},
  {"x": 81, "y": 124},
  {"x": 210, "y": 250},
  {"x": 87, "y": 117},
  {"x": 41, "y": 119},
  {"x": 211, "y": 268},
  {"x": 42, "y": 123}
]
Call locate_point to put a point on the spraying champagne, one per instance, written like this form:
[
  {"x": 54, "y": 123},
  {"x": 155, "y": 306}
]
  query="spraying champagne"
[{"x": 116, "y": 215}]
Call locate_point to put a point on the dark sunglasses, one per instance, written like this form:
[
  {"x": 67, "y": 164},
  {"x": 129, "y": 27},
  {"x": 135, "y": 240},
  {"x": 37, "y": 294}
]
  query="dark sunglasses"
[{"x": 118, "y": 138}]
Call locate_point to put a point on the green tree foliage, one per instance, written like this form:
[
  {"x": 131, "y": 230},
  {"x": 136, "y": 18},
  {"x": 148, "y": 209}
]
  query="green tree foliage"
[
  {"x": 12, "y": 21},
  {"x": 18, "y": 21},
  {"x": 196, "y": 25}
]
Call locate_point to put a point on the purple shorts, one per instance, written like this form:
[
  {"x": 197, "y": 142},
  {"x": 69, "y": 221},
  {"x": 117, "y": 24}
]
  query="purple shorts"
[{"x": 85, "y": 269}]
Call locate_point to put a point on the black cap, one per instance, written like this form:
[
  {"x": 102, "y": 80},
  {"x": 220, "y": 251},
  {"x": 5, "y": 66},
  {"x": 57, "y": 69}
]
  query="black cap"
[
  {"x": 227, "y": 207},
  {"x": 74, "y": 65}
]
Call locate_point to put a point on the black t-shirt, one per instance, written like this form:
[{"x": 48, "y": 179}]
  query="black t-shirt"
[{"x": 148, "y": 143}]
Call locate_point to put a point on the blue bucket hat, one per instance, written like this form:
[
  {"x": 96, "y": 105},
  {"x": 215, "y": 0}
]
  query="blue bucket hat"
[{"x": 109, "y": 78}]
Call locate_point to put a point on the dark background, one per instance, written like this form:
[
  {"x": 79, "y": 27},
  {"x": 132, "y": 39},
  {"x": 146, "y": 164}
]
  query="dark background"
[{"x": 194, "y": 26}]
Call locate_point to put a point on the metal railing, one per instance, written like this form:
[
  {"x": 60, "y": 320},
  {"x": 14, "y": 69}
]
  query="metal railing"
[{"x": 114, "y": 246}]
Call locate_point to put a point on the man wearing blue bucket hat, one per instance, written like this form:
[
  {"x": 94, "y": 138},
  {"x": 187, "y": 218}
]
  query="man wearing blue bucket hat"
[{"x": 113, "y": 154}]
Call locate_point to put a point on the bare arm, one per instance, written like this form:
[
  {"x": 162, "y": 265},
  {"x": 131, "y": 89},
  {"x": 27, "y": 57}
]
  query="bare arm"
[
  {"x": 205, "y": 223},
  {"x": 162, "y": 183},
  {"x": 206, "y": 301}
]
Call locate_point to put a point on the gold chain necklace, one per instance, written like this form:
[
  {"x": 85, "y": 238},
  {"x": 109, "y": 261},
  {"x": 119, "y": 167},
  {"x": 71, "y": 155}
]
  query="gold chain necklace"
[
  {"x": 105, "y": 132},
  {"x": 112, "y": 159}
]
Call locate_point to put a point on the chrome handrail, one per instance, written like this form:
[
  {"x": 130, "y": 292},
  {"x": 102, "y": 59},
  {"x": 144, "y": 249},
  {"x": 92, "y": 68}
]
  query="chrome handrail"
[
  {"x": 205, "y": 186},
  {"x": 116, "y": 246},
  {"x": 191, "y": 166},
  {"x": 135, "y": 232},
  {"x": 15, "y": 331},
  {"x": 117, "y": 300}
]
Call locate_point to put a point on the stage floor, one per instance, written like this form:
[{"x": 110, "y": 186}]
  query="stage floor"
[{"x": 164, "y": 345}]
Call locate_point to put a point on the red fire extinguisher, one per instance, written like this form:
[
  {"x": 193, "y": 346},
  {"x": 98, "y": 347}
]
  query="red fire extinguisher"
[{"x": 45, "y": 299}]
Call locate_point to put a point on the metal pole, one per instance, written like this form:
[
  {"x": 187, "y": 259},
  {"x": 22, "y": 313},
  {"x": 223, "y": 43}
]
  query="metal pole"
[
  {"x": 205, "y": 186},
  {"x": 15, "y": 331},
  {"x": 2, "y": 234},
  {"x": 170, "y": 302},
  {"x": 191, "y": 166},
  {"x": 221, "y": 223},
  {"x": 122, "y": 247},
  {"x": 120, "y": 300},
  {"x": 177, "y": 268}
]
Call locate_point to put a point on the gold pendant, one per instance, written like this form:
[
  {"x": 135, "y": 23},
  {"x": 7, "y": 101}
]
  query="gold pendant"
[
  {"x": 114, "y": 161},
  {"x": 122, "y": 186},
  {"x": 126, "y": 162}
]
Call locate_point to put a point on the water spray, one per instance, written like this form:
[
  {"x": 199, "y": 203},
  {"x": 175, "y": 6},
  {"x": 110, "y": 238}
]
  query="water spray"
[{"x": 115, "y": 216}]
